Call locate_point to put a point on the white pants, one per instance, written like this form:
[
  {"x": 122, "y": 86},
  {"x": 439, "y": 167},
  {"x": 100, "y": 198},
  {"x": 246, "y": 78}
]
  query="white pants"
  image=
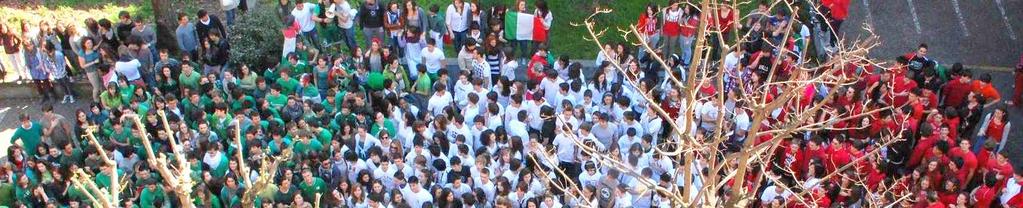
[
  {"x": 289, "y": 46},
  {"x": 16, "y": 63}
]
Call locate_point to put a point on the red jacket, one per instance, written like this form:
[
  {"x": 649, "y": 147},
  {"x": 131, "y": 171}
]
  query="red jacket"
[{"x": 533, "y": 74}]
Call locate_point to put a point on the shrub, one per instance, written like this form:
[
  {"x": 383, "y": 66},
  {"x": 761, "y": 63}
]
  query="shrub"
[{"x": 256, "y": 38}]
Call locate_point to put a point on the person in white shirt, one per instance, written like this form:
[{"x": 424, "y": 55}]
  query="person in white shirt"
[
  {"x": 456, "y": 19},
  {"x": 303, "y": 14},
  {"x": 462, "y": 88},
  {"x": 433, "y": 58},
  {"x": 772, "y": 192},
  {"x": 346, "y": 21},
  {"x": 440, "y": 99},
  {"x": 364, "y": 141},
  {"x": 414, "y": 194},
  {"x": 590, "y": 177},
  {"x": 551, "y": 86},
  {"x": 229, "y": 6},
  {"x": 1012, "y": 188},
  {"x": 518, "y": 127},
  {"x": 129, "y": 67}
]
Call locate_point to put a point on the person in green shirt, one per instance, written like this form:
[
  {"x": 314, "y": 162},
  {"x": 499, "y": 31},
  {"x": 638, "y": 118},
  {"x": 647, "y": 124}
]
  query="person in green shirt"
[
  {"x": 381, "y": 123},
  {"x": 307, "y": 145},
  {"x": 189, "y": 78},
  {"x": 153, "y": 194},
  {"x": 119, "y": 136},
  {"x": 423, "y": 84},
  {"x": 311, "y": 185},
  {"x": 206, "y": 199},
  {"x": 276, "y": 98},
  {"x": 396, "y": 73},
  {"x": 29, "y": 134},
  {"x": 288, "y": 85},
  {"x": 111, "y": 98}
]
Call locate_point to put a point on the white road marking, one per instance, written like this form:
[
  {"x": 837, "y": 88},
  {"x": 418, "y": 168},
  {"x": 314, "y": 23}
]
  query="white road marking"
[
  {"x": 870, "y": 15},
  {"x": 1005, "y": 19},
  {"x": 3, "y": 112},
  {"x": 962, "y": 22},
  {"x": 916, "y": 20}
]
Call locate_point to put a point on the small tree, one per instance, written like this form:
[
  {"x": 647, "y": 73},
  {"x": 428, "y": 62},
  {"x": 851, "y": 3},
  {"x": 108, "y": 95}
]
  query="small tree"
[{"x": 256, "y": 38}]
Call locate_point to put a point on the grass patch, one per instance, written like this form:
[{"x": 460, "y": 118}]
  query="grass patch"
[{"x": 69, "y": 11}]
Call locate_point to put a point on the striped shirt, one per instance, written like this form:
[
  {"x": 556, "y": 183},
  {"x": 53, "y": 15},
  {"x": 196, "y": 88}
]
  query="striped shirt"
[{"x": 494, "y": 60}]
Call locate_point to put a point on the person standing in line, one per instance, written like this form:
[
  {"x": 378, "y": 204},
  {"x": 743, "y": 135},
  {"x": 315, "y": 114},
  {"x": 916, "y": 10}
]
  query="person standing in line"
[
  {"x": 546, "y": 18},
  {"x": 55, "y": 65},
  {"x": 1017, "y": 92},
  {"x": 89, "y": 59},
  {"x": 40, "y": 76},
  {"x": 436, "y": 27},
  {"x": 306, "y": 19},
  {"x": 346, "y": 21},
  {"x": 187, "y": 39},
  {"x": 12, "y": 51},
  {"x": 230, "y": 8},
  {"x": 456, "y": 19},
  {"x": 371, "y": 20},
  {"x": 672, "y": 28}
]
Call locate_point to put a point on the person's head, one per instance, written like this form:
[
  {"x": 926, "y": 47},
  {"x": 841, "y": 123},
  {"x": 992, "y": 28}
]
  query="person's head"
[
  {"x": 921, "y": 50},
  {"x": 203, "y": 15},
  {"x": 124, "y": 16}
]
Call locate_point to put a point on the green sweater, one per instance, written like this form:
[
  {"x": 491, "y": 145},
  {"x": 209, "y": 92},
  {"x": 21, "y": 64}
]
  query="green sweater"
[{"x": 30, "y": 137}]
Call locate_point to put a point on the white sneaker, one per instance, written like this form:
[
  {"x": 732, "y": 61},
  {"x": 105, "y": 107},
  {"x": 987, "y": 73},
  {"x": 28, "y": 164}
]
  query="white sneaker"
[
  {"x": 71, "y": 99},
  {"x": 64, "y": 101}
]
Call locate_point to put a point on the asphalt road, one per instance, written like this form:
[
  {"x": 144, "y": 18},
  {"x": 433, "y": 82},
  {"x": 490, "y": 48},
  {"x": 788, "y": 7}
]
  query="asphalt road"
[{"x": 966, "y": 31}]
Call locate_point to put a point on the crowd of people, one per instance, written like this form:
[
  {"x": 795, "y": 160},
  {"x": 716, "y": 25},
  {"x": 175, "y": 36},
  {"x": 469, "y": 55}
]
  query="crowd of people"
[{"x": 391, "y": 123}]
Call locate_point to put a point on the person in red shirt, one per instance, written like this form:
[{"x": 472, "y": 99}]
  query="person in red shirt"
[
  {"x": 1017, "y": 91},
  {"x": 984, "y": 195},
  {"x": 839, "y": 11},
  {"x": 983, "y": 87},
  {"x": 956, "y": 90},
  {"x": 672, "y": 27},
  {"x": 648, "y": 27},
  {"x": 995, "y": 127},
  {"x": 969, "y": 160},
  {"x": 537, "y": 64}
]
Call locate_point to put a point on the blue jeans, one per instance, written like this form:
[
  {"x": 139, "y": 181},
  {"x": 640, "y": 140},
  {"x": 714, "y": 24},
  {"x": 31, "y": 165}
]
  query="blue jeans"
[
  {"x": 349, "y": 37},
  {"x": 523, "y": 47},
  {"x": 312, "y": 39},
  {"x": 459, "y": 40},
  {"x": 687, "y": 48},
  {"x": 978, "y": 143},
  {"x": 229, "y": 15}
]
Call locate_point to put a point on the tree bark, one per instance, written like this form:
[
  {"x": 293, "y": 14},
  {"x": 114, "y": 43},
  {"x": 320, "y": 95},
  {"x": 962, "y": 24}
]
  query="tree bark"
[{"x": 166, "y": 17}]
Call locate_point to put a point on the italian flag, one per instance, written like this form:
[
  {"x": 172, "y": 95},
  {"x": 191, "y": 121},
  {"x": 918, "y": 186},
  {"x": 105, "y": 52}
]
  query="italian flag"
[{"x": 524, "y": 26}]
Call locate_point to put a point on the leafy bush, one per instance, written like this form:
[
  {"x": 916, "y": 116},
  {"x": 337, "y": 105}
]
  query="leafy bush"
[{"x": 256, "y": 38}]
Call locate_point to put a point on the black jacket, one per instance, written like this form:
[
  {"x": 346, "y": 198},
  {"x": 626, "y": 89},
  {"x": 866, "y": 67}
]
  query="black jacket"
[
  {"x": 371, "y": 16},
  {"x": 203, "y": 30}
]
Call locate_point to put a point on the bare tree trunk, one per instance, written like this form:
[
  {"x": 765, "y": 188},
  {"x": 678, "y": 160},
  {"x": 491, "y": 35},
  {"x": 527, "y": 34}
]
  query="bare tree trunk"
[{"x": 166, "y": 23}]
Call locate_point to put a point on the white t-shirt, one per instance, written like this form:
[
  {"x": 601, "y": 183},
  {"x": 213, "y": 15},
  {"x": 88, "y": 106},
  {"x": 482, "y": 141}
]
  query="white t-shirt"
[
  {"x": 438, "y": 102},
  {"x": 1011, "y": 189},
  {"x": 129, "y": 69},
  {"x": 417, "y": 199},
  {"x": 345, "y": 10},
  {"x": 432, "y": 59},
  {"x": 305, "y": 17},
  {"x": 565, "y": 147},
  {"x": 551, "y": 89}
]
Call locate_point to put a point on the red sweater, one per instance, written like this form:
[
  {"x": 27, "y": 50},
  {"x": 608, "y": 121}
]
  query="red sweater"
[{"x": 955, "y": 92}]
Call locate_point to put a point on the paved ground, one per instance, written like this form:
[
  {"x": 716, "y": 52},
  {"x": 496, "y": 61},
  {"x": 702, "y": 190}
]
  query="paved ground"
[
  {"x": 971, "y": 32},
  {"x": 11, "y": 109}
]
